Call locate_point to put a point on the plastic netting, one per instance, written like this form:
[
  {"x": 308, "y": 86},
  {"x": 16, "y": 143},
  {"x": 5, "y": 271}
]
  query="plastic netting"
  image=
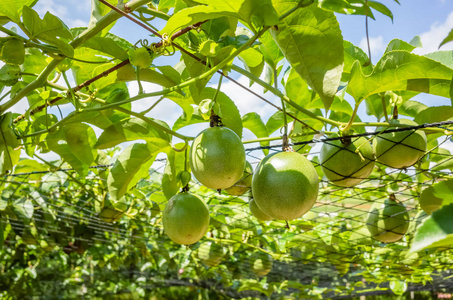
[{"x": 327, "y": 253}]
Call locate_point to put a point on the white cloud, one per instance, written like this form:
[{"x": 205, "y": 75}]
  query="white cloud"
[
  {"x": 437, "y": 33},
  {"x": 68, "y": 11},
  {"x": 377, "y": 46}
]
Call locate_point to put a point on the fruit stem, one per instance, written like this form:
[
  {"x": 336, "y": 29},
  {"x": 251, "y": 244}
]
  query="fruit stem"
[
  {"x": 285, "y": 119},
  {"x": 354, "y": 113},
  {"x": 395, "y": 112},
  {"x": 384, "y": 107}
]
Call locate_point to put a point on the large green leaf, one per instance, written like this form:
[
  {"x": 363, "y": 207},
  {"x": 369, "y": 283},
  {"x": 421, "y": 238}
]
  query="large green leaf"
[
  {"x": 75, "y": 144},
  {"x": 270, "y": 50},
  {"x": 259, "y": 12},
  {"x": 130, "y": 129},
  {"x": 132, "y": 165},
  {"x": 434, "y": 114},
  {"x": 50, "y": 29},
  {"x": 252, "y": 121},
  {"x": 435, "y": 231},
  {"x": 401, "y": 70},
  {"x": 13, "y": 8},
  {"x": 228, "y": 111},
  {"x": 310, "y": 38},
  {"x": 355, "y": 7}
]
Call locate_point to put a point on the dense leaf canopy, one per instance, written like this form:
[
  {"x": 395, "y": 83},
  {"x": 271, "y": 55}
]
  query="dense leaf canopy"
[{"x": 86, "y": 178}]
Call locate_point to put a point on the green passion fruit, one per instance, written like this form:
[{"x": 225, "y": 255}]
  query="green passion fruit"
[
  {"x": 211, "y": 254},
  {"x": 388, "y": 221},
  {"x": 400, "y": 149},
  {"x": 185, "y": 219},
  {"x": 261, "y": 263},
  {"x": 346, "y": 163},
  {"x": 217, "y": 158},
  {"x": 244, "y": 184},
  {"x": 285, "y": 185},
  {"x": 257, "y": 212},
  {"x": 428, "y": 201}
]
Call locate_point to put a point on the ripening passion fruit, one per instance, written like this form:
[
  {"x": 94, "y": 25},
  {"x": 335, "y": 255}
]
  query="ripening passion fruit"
[
  {"x": 217, "y": 158},
  {"x": 257, "y": 213},
  {"x": 285, "y": 185},
  {"x": 388, "y": 221},
  {"x": 346, "y": 163},
  {"x": 244, "y": 184},
  {"x": 400, "y": 149},
  {"x": 185, "y": 219}
]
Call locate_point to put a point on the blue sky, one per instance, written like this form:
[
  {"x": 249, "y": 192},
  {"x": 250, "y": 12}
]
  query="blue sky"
[{"x": 431, "y": 20}]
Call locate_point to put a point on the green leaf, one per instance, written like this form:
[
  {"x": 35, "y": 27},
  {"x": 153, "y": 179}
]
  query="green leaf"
[
  {"x": 13, "y": 52},
  {"x": 13, "y": 8},
  {"x": 444, "y": 57},
  {"x": 50, "y": 30},
  {"x": 75, "y": 144},
  {"x": 23, "y": 208},
  {"x": 9, "y": 152},
  {"x": 130, "y": 129},
  {"x": 401, "y": 70},
  {"x": 296, "y": 88},
  {"x": 447, "y": 39},
  {"x": 132, "y": 165},
  {"x": 252, "y": 121},
  {"x": 351, "y": 54},
  {"x": 175, "y": 164},
  {"x": 434, "y": 114},
  {"x": 260, "y": 12},
  {"x": 311, "y": 41},
  {"x": 270, "y": 50},
  {"x": 398, "y": 44},
  {"x": 435, "y": 231},
  {"x": 443, "y": 190},
  {"x": 398, "y": 287},
  {"x": 411, "y": 108},
  {"x": 228, "y": 110}
]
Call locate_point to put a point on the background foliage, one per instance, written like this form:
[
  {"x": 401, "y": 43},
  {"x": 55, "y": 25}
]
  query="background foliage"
[{"x": 85, "y": 177}]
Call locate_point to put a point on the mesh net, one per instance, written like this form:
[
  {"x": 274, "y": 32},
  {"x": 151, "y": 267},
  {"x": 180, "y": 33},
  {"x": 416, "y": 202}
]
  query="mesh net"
[{"x": 328, "y": 253}]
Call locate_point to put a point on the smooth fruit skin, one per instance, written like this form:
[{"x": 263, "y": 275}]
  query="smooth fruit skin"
[
  {"x": 400, "y": 149},
  {"x": 244, "y": 184},
  {"x": 257, "y": 212},
  {"x": 388, "y": 222},
  {"x": 428, "y": 202},
  {"x": 285, "y": 185},
  {"x": 185, "y": 219},
  {"x": 346, "y": 165},
  {"x": 261, "y": 263},
  {"x": 217, "y": 158},
  {"x": 211, "y": 254}
]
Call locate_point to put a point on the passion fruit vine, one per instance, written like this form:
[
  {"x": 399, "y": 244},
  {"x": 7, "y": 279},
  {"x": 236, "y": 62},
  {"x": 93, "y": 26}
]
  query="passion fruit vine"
[
  {"x": 217, "y": 158},
  {"x": 285, "y": 185}
]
